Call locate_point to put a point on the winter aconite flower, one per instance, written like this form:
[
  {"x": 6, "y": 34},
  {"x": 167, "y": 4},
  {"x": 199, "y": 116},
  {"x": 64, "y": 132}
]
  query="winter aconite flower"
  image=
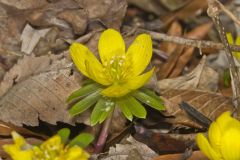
[
  {"x": 116, "y": 77},
  {"x": 223, "y": 141},
  {"x": 119, "y": 71},
  {"x": 51, "y": 149}
]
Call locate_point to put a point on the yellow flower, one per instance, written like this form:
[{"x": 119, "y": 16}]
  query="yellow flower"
[
  {"x": 237, "y": 42},
  {"x": 51, "y": 149},
  {"x": 223, "y": 139},
  {"x": 120, "y": 71},
  {"x": 74, "y": 153},
  {"x": 20, "y": 150},
  {"x": 54, "y": 149}
]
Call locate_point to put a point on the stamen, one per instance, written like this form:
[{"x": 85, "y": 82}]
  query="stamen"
[{"x": 115, "y": 67}]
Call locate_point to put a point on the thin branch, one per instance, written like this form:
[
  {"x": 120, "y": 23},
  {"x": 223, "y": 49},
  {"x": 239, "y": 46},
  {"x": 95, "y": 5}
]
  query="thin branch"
[
  {"x": 213, "y": 12},
  {"x": 229, "y": 13},
  {"x": 184, "y": 41}
]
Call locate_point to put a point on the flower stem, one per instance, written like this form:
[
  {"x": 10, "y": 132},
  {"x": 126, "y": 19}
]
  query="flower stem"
[{"x": 104, "y": 134}]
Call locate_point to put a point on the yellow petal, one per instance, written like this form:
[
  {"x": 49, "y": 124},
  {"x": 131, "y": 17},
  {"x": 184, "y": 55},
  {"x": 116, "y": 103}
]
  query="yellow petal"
[
  {"x": 115, "y": 91},
  {"x": 225, "y": 121},
  {"x": 139, "y": 81},
  {"x": 229, "y": 38},
  {"x": 214, "y": 135},
  {"x": 75, "y": 153},
  {"x": 119, "y": 90},
  {"x": 18, "y": 139},
  {"x": 237, "y": 42},
  {"x": 110, "y": 43},
  {"x": 17, "y": 154},
  {"x": 230, "y": 146},
  {"x": 205, "y": 147},
  {"x": 87, "y": 63},
  {"x": 139, "y": 54},
  {"x": 237, "y": 54}
]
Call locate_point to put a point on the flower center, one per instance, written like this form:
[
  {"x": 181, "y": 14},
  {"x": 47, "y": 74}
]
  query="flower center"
[{"x": 115, "y": 68}]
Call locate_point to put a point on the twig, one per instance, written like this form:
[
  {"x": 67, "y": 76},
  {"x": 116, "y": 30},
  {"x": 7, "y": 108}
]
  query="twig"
[
  {"x": 184, "y": 41},
  {"x": 160, "y": 54},
  {"x": 229, "y": 13},
  {"x": 213, "y": 12},
  {"x": 104, "y": 134}
]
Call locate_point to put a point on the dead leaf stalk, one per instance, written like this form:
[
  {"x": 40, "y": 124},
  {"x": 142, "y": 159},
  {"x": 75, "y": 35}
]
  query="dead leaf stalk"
[
  {"x": 184, "y": 41},
  {"x": 213, "y": 12},
  {"x": 229, "y": 13}
]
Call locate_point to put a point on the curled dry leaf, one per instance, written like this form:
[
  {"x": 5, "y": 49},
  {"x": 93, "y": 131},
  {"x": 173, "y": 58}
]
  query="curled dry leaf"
[
  {"x": 195, "y": 155},
  {"x": 69, "y": 16},
  {"x": 25, "y": 4},
  {"x": 174, "y": 30},
  {"x": 209, "y": 104},
  {"x": 190, "y": 9},
  {"x": 197, "y": 33},
  {"x": 30, "y": 37},
  {"x": 41, "y": 96},
  {"x": 201, "y": 78},
  {"x": 77, "y": 18},
  {"x": 132, "y": 149},
  {"x": 182, "y": 56},
  {"x": 196, "y": 88},
  {"x": 149, "y": 6},
  {"x": 28, "y": 65},
  {"x": 110, "y": 12}
]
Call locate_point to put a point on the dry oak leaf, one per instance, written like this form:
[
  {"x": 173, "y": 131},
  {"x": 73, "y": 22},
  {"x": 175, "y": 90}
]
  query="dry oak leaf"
[
  {"x": 210, "y": 104},
  {"x": 132, "y": 149},
  {"x": 201, "y": 78},
  {"x": 41, "y": 96}
]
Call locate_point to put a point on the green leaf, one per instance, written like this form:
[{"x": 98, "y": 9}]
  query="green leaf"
[
  {"x": 84, "y": 91},
  {"x": 134, "y": 106},
  {"x": 125, "y": 110},
  {"x": 152, "y": 101},
  {"x": 105, "y": 114},
  {"x": 85, "y": 103},
  {"x": 150, "y": 93},
  {"x": 64, "y": 134},
  {"x": 82, "y": 140},
  {"x": 226, "y": 78},
  {"x": 99, "y": 108}
]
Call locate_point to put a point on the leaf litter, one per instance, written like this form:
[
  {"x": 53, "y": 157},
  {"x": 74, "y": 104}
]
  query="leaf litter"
[{"x": 37, "y": 74}]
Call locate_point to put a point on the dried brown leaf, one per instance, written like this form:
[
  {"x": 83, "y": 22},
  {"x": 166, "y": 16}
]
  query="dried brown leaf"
[
  {"x": 191, "y": 9},
  {"x": 28, "y": 65},
  {"x": 201, "y": 78},
  {"x": 149, "y": 6},
  {"x": 110, "y": 12},
  {"x": 30, "y": 37},
  {"x": 174, "y": 30},
  {"x": 209, "y": 104},
  {"x": 25, "y": 4},
  {"x": 132, "y": 149},
  {"x": 197, "y": 33},
  {"x": 196, "y": 155},
  {"x": 166, "y": 68},
  {"x": 77, "y": 18},
  {"x": 41, "y": 96}
]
